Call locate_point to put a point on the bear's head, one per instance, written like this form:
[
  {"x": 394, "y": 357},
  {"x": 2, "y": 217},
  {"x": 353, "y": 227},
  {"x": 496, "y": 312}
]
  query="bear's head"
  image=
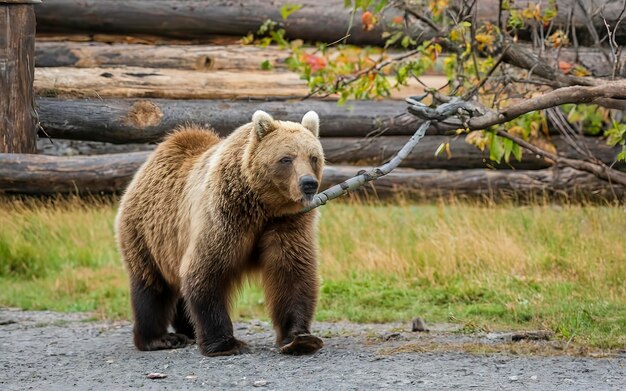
[{"x": 284, "y": 161}]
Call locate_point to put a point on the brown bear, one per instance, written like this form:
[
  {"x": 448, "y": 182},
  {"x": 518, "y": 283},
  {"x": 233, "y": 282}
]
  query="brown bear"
[{"x": 203, "y": 212}]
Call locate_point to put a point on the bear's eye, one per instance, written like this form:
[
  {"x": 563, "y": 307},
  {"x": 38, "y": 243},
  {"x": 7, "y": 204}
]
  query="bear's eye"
[
  {"x": 313, "y": 159},
  {"x": 286, "y": 160}
]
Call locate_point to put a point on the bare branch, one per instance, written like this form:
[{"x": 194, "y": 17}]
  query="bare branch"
[
  {"x": 476, "y": 117},
  {"x": 368, "y": 176}
]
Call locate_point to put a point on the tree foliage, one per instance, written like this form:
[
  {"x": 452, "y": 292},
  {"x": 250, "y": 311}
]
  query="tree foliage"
[{"x": 483, "y": 62}]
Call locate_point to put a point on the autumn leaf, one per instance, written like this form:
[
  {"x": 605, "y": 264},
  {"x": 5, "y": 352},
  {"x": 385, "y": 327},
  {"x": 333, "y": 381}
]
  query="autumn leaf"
[
  {"x": 315, "y": 62},
  {"x": 580, "y": 71},
  {"x": 369, "y": 21},
  {"x": 565, "y": 66}
]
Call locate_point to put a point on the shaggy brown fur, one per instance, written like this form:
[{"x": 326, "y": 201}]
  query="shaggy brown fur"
[{"x": 201, "y": 213}]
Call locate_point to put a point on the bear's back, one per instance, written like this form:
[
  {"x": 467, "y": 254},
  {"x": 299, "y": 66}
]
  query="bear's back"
[{"x": 151, "y": 209}]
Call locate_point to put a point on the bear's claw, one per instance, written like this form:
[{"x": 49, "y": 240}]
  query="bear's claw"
[
  {"x": 236, "y": 347},
  {"x": 168, "y": 341},
  {"x": 303, "y": 344}
]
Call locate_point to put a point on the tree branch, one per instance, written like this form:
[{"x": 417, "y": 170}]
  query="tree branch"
[
  {"x": 363, "y": 177},
  {"x": 473, "y": 116}
]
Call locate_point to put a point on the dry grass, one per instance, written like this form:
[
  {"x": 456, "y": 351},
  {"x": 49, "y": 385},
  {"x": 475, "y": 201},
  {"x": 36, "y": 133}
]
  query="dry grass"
[{"x": 489, "y": 267}]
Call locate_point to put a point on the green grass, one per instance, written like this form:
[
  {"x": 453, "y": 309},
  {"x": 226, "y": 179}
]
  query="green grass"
[{"x": 486, "y": 267}]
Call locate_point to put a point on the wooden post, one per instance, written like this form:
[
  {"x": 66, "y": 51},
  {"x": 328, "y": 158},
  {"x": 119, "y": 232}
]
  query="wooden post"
[{"x": 18, "y": 120}]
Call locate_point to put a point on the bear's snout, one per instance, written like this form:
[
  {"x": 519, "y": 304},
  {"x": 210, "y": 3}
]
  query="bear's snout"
[{"x": 308, "y": 186}]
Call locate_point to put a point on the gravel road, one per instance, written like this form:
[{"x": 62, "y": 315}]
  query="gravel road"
[{"x": 53, "y": 351}]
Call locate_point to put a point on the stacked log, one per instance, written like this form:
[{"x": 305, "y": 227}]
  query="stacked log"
[
  {"x": 184, "y": 18},
  {"x": 234, "y": 57},
  {"x": 36, "y": 174}
]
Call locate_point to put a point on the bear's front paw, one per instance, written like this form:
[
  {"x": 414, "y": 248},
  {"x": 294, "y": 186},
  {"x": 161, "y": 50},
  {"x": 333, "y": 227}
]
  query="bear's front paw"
[
  {"x": 228, "y": 347},
  {"x": 303, "y": 344},
  {"x": 167, "y": 341}
]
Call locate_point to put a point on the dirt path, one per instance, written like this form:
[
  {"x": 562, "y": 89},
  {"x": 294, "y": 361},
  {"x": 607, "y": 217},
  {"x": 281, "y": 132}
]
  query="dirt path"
[{"x": 52, "y": 351}]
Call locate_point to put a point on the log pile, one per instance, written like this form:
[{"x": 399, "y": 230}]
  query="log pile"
[{"x": 176, "y": 66}]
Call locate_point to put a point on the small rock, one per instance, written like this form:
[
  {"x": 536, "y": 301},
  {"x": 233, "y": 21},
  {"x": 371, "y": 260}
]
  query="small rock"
[
  {"x": 191, "y": 377},
  {"x": 110, "y": 361},
  {"x": 419, "y": 325},
  {"x": 156, "y": 375},
  {"x": 533, "y": 377},
  {"x": 260, "y": 383},
  {"x": 513, "y": 378},
  {"x": 390, "y": 336},
  {"x": 540, "y": 335}
]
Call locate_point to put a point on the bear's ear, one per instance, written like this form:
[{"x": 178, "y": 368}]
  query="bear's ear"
[
  {"x": 311, "y": 121},
  {"x": 263, "y": 123}
]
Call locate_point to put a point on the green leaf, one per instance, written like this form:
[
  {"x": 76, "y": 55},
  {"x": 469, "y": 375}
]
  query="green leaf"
[
  {"x": 379, "y": 7},
  {"x": 266, "y": 65},
  {"x": 517, "y": 152},
  {"x": 394, "y": 38},
  {"x": 406, "y": 41},
  {"x": 621, "y": 157},
  {"x": 508, "y": 148},
  {"x": 289, "y": 9},
  {"x": 495, "y": 149}
]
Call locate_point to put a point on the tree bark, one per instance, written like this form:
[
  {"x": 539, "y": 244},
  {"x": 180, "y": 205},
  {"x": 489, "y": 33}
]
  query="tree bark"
[
  {"x": 192, "y": 57},
  {"x": 18, "y": 123},
  {"x": 37, "y": 174},
  {"x": 181, "y": 84}
]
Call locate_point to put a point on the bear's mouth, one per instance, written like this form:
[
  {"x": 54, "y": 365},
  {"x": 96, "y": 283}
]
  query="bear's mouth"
[{"x": 307, "y": 199}]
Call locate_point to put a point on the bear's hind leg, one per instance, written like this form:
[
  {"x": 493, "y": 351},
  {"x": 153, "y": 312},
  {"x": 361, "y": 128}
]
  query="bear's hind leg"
[
  {"x": 182, "y": 322},
  {"x": 153, "y": 306}
]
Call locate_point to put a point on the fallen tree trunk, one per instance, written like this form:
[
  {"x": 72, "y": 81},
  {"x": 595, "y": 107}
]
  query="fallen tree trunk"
[
  {"x": 139, "y": 121},
  {"x": 123, "y": 121},
  {"x": 523, "y": 185},
  {"x": 40, "y": 174},
  {"x": 375, "y": 151},
  {"x": 326, "y": 21},
  {"x": 136, "y": 82},
  {"x": 572, "y": 15},
  {"x": 192, "y": 19},
  {"x": 193, "y": 57},
  {"x": 237, "y": 57},
  {"x": 143, "y": 39},
  {"x": 596, "y": 60},
  {"x": 37, "y": 174}
]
